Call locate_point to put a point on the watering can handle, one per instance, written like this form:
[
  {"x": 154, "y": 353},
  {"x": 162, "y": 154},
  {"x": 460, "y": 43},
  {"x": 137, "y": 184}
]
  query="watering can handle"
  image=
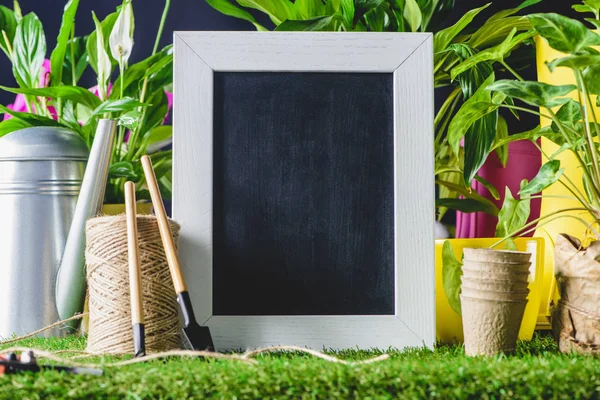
[{"x": 70, "y": 281}]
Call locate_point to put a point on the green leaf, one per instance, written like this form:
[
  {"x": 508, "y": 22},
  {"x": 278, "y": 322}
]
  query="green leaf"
[
  {"x": 496, "y": 53},
  {"x": 475, "y": 108},
  {"x": 156, "y": 113},
  {"x": 313, "y": 24},
  {"x": 463, "y": 205},
  {"x": 548, "y": 174},
  {"x": 67, "y": 27},
  {"x": 159, "y": 134},
  {"x": 591, "y": 79},
  {"x": 479, "y": 140},
  {"x": 361, "y": 7},
  {"x": 11, "y": 125},
  {"x": 493, "y": 32},
  {"x": 91, "y": 45},
  {"x": 574, "y": 61},
  {"x": 30, "y": 118},
  {"x": 76, "y": 94},
  {"x": 277, "y": 10},
  {"x": 121, "y": 105},
  {"x": 485, "y": 205},
  {"x": 513, "y": 215},
  {"x": 130, "y": 119},
  {"x": 8, "y": 24},
  {"x": 501, "y": 134},
  {"x": 134, "y": 75},
  {"x": 488, "y": 185},
  {"x": 563, "y": 34},
  {"x": 29, "y": 50},
  {"x": 569, "y": 114},
  {"x": 122, "y": 169},
  {"x": 451, "y": 276},
  {"x": 76, "y": 58},
  {"x": 347, "y": 7},
  {"x": 534, "y": 93},
  {"x": 412, "y": 14},
  {"x": 511, "y": 11},
  {"x": 227, "y": 8},
  {"x": 308, "y": 9},
  {"x": 444, "y": 37}
]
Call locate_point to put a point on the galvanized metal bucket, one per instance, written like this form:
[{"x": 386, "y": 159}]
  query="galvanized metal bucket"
[{"x": 41, "y": 170}]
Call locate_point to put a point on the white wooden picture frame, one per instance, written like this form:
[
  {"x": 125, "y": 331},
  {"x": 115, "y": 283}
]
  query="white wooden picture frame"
[{"x": 409, "y": 57}]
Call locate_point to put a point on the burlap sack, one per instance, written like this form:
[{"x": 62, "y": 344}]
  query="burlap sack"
[{"x": 576, "y": 318}]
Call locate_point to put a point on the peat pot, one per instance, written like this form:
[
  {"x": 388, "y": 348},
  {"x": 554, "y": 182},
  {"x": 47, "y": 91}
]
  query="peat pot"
[{"x": 41, "y": 170}]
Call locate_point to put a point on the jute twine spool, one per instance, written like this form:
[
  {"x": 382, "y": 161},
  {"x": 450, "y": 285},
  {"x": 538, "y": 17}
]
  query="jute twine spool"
[{"x": 108, "y": 283}]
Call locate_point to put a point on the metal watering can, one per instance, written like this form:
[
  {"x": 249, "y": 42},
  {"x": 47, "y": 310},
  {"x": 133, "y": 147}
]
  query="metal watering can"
[{"x": 45, "y": 201}]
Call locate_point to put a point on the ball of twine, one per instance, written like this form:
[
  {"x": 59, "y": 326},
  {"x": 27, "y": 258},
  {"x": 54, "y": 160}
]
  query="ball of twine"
[{"x": 108, "y": 284}]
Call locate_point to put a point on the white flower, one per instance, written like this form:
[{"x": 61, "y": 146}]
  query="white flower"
[
  {"x": 104, "y": 64},
  {"x": 121, "y": 37}
]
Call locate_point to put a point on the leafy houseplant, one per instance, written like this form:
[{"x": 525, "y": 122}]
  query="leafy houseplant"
[
  {"x": 486, "y": 48},
  {"x": 574, "y": 129},
  {"x": 52, "y": 97}
]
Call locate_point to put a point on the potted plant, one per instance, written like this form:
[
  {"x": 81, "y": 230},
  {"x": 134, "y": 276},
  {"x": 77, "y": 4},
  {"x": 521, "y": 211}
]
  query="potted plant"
[
  {"x": 573, "y": 129},
  {"x": 49, "y": 95}
]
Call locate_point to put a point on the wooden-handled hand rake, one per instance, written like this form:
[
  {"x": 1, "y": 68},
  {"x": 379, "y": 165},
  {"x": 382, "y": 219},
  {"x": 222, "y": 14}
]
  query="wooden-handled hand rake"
[{"x": 198, "y": 336}]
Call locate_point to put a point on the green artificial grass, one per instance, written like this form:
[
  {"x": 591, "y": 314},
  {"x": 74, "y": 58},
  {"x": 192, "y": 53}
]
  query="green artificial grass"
[{"x": 537, "y": 370}]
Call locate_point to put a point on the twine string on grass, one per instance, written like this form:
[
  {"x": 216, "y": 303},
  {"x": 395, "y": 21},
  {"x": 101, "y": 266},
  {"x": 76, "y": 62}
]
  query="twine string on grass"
[{"x": 108, "y": 281}]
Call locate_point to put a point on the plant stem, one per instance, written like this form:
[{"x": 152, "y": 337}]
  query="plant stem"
[
  {"x": 73, "y": 64},
  {"x": 134, "y": 134},
  {"x": 586, "y": 123},
  {"x": 512, "y": 71}
]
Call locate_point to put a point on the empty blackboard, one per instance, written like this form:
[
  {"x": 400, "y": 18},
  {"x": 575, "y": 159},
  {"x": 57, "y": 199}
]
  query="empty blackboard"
[{"x": 303, "y": 194}]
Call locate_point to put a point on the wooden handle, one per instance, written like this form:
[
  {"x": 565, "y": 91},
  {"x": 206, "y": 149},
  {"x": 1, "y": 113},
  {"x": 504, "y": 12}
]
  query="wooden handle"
[
  {"x": 163, "y": 226},
  {"x": 135, "y": 279}
]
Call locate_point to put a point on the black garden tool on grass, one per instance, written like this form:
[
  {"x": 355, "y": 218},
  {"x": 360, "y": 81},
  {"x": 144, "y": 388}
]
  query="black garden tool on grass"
[
  {"x": 135, "y": 278},
  {"x": 198, "y": 336}
]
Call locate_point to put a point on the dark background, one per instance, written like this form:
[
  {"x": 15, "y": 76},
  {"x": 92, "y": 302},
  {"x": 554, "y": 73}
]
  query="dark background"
[{"x": 187, "y": 15}]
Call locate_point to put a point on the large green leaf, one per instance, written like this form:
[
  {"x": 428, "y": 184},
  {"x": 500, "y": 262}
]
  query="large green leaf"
[
  {"x": 575, "y": 61},
  {"x": 11, "y": 125},
  {"x": 313, "y": 24},
  {"x": 227, "y": 8},
  {"x": 451, "y": 276},
  {"x": 485, "y": 205},
  {"x": 474, "y": 108},
  {"x": 501, "y": 135},
  {"x": 76, "y": 58},
  {"x": 537, "y": 94},
  {"x": 29, "y": 50},
  {"x": 347, "y": 7},
  {"x": 479, "y": 140},
  {"x": 563, "y": 34},
  {"x": 511, "y": 11},
  {"x": 463, "y": 205},
  {"x": 122, "y": 169},
  {"x": 444, "y": 37},
  {"x": 412, "y": 14},
  {"x": 8, "y": 24},
  {"x": 120, "y": 105},
  {"x": 308, "y": 9},
  {"x": 76, "y": 94},
  {"x": 591, "y": 79},
  {"x": 67, "y": 27},
  {"x": 277, "y": 10},
  {"x": 92, "y": 46},
  {"x": 488, "y": 185},
  {"x": 514, "y": 214},
  {"x": 569, "y": 115},
  {"x": 547, "y": 175},
  {"x": 30, "y": 118},
  {"x": 497, "y": 53},
  {"x": 156, "y": 113},
  {"x": 361, "y": 7}
]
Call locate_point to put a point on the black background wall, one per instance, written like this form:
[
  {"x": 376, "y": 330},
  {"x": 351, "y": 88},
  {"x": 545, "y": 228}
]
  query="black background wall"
[{"x": 184, "y": 15}]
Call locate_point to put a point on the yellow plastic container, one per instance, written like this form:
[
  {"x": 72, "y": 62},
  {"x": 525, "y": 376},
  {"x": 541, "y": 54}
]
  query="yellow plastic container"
[
  {"x": 560, "y": 76},
  {"x": 449, "y": 323}
]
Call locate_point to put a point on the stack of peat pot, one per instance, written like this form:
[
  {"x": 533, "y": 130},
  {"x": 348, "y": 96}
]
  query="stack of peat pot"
[{"x": 493, "y": 299}]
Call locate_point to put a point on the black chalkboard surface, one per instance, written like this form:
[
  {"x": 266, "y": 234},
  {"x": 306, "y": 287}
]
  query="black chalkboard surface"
[{"x": 303, "y": 194}]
